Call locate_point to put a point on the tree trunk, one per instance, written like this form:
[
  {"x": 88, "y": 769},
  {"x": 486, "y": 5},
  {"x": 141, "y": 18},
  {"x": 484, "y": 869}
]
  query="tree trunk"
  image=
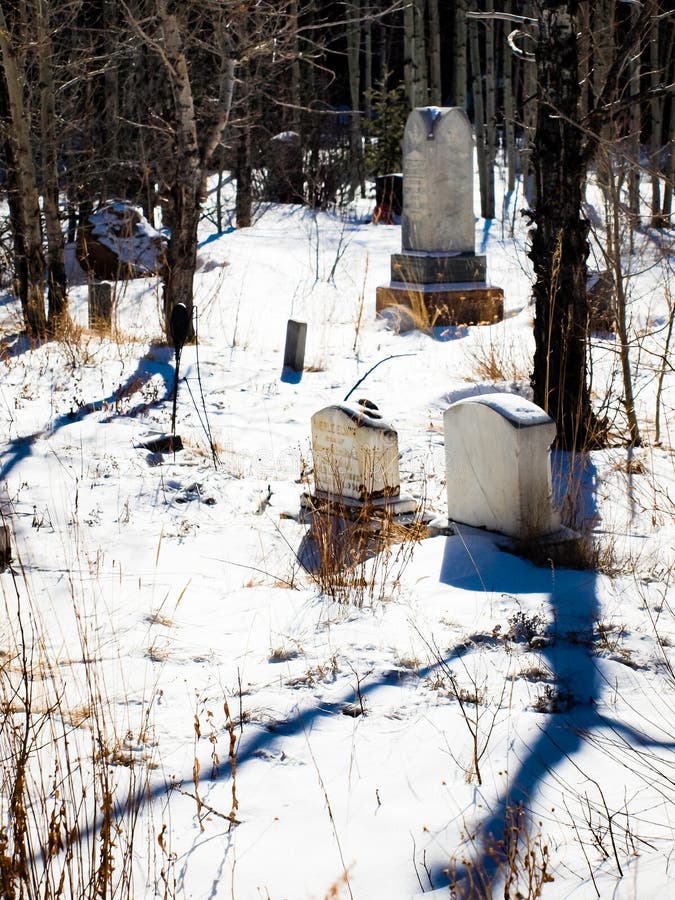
[
  {"x": 185, "y": 191},
  {"x": 414, "y": 54},
  {"x": 56, "y": 265},
  {"x": 490, "y": 114},
  {"x": 634, "y": 134},
  {"x": 559, "y": 244},
  {"x": 435, "y": 89},
  {"x": 354, "y": 66},
  {"x": 295, "y": 67},
  {"x": 656, "y": 109},
  {"x": 188, "y": 179},
  {"x": 460, "y": 70},
  {"x": 244, "y": 200},
  {"x": 509, "y": 112},
  {"x": 479, "y": 118},
  {"x": 614, "y": 258},
  {"x": 26, "y": 220},
  {"x": 529, "y": 126}
]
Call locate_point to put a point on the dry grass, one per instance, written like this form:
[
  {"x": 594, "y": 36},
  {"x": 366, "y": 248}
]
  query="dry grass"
[
  {"x": 71, "y": 785},
  {"x": 359, "y": 555},
  {"x": 496, "y": 359}
]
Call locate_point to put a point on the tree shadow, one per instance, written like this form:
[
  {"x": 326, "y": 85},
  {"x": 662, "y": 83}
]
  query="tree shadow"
[
  {"x": 576, "y": 686},
  {"x": 155, "y": 362}
]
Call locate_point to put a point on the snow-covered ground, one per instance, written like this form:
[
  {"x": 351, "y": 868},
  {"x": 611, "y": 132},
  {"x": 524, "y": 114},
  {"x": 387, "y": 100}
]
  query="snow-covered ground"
[{"x": 177, "y": 580}]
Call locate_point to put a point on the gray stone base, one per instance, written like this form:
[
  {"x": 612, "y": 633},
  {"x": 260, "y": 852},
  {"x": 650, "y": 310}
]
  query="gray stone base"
[
  {"x": 419, "y": 267},
  {"x": 403, "y": 510},
  {"x": 465, "y": 303}
]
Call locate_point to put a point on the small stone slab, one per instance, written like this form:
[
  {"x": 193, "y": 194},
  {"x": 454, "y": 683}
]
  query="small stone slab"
[
  {"x": 162, "y": 443},
  {"x": 437, "y": 268},
  {"x": 5, "y": 546},
  {"x": 294, "y": 349},
  {"x": 468, "y": 303}
]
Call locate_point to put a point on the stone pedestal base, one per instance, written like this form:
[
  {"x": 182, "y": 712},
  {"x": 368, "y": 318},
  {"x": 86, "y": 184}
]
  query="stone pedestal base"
[
  {"x": 403, "y": 509},
  {"x": 463, "y": 303}
]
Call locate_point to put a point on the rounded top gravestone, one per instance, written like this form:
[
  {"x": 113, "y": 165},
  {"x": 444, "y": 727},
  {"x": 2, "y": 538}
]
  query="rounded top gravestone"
[{"x": 438, "y": 181}]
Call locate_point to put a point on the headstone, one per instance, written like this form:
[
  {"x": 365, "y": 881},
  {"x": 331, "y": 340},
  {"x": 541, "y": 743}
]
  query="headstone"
[
  {"x": 437, "y": 275},
  {"x": 498, "y": 465},
  {"x": 355, "y": 453},
  {"x": 388, "y": 198},
  {"x": 100, "y": 303},
  {"x": 294, "y": 350},
  {"x": 286, "y": 180},
  {"x": 5, "y": 546},
  {"x": 438, "y": 181}
]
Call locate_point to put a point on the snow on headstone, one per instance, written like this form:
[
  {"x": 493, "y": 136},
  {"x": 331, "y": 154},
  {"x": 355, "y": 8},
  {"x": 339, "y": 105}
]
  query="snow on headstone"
[
  {"x": 498, "y": 465},
  {"x": 355, "y": 453},
  {"x": 438, "y": 181}
]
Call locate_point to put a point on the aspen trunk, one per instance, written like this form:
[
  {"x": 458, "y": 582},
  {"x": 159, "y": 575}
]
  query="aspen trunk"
[
  {"x": 460, "y": 70},
  {"x": 479, "y": 118},
  {"x": 26, "y": 218},
  {"x": 414, "y": 52},
  {"x": 615, "y": 259},
  {"x": 295, "y": 67},
  {"x": 244, "y": 199},
  {"x": 656, "y": 109},
  {"x": 509, "y": 111},
  {"x": 435, "y": 89},
  {"x": 188, "y": 181},
  {"x": 354, "y": 66},
  {"x": 56, "y": 266},
  {"x": 634, "y": 138},
  {"x": 420, "y": 76},
  {"x": 368, "y": 70},
  {"x": 490, "y": 114}
]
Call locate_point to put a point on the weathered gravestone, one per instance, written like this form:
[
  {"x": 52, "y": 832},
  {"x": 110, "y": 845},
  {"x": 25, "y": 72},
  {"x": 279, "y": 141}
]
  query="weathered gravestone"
[
  {"x": 356, "y": 458},
  {"x": 286, "y": 179},
  {"x": 438, "y": 181},
  {"x": 5, "y": 544},
  {"x": 438, "y": 275},
  {"x": 294, "y": 348},
  {"x": 498, "y": 465},
  {"x": 100, "y": 305}
]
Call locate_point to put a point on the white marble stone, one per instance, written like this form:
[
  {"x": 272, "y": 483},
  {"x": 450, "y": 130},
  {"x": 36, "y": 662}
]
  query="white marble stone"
[
  {"x": 498, "y": 469},
  {"x": 355, "y": 453},
  {"x": 438, "y": 181}
]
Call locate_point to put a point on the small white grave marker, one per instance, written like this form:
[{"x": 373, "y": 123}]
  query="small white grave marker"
[{"x": 498, "y": 465}]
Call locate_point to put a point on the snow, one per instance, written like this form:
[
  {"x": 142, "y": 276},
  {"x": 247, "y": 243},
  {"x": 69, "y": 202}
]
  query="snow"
[{"x": 178, "y": 579}]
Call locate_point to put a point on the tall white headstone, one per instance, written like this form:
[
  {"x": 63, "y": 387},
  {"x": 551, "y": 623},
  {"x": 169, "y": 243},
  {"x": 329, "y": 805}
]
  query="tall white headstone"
[
  {"x": 498, "y": 465},
  {"x": 438, "y": 181}
]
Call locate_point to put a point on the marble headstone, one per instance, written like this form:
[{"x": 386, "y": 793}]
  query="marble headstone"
[
  {"x": 355, "y": 453},
  {"x": 438, "y": 181},
  {"x": 498, "y": 465}
]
